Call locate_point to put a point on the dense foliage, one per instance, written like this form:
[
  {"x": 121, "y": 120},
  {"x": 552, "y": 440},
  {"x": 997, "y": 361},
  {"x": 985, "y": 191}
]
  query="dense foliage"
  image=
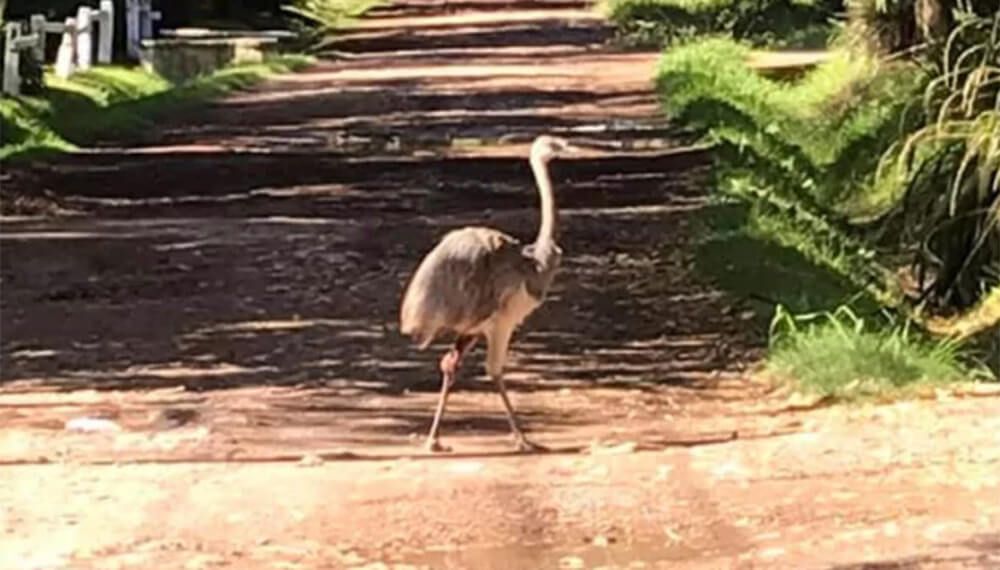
[
  {"x": 321, "y": 19},
  {"x": 802, "y": 153},
  {"x": 883, "y": 170},
  {"x": 949, "y": 171},
  {"x": 770, "y": 22}
]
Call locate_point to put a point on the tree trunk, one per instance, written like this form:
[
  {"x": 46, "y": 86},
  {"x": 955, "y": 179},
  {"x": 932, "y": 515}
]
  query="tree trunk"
[{"x": 931, "y": 17}]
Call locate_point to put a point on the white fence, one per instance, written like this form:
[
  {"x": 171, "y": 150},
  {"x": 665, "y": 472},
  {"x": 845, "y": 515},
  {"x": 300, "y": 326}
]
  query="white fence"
[
  {"x": 139, "y": 18},
  {"x": 76, "y": 51}
]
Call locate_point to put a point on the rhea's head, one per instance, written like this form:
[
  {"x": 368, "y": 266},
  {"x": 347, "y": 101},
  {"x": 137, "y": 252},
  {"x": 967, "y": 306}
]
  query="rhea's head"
[{"x": 547, "y": 147}]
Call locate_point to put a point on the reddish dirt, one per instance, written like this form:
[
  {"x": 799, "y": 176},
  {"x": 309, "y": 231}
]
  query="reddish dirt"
[{"x": 227, "y": 296}]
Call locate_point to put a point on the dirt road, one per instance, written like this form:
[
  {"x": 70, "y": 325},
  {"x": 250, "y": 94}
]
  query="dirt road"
[{"x": 228, "y": 298}]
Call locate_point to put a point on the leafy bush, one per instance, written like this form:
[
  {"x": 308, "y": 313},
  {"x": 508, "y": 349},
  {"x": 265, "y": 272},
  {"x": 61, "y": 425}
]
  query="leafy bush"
[
  {"x": 814, "y": 142},
  {"x": 770, "y": 22},
  {"x": 795, "y": 152},
  {"x": 323, "y": 18},
  {"x": 841, "y": 355},
  {"x": 841, "y": 166}
]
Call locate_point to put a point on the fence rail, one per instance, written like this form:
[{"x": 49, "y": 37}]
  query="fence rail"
[{"x": 77, "y": 48}]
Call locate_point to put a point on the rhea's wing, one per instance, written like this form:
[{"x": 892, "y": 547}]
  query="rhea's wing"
[{"x": 462, "y": 282}]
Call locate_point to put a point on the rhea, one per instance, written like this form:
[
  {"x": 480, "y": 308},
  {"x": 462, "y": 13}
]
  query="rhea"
[{"x": 479, "y": 282}]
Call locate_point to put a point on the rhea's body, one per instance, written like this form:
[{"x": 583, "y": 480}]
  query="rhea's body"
[
  {"x": 476, "y": 278},
  {"x": 479, "y": 282}
]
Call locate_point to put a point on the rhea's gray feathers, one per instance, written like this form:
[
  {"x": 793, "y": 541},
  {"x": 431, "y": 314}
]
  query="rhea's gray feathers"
[
  {"x": 481, "y": 281},
  {"x": 468, "y": 277}
]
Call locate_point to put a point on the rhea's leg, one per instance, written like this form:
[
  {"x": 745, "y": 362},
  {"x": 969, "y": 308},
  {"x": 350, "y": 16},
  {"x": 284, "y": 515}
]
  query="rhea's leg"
[
  {"x": 499, "y": 341},
  {"x": 450, "y": 364}
]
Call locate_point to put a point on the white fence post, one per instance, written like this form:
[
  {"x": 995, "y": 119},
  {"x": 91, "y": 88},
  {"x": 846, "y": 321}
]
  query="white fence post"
[
  {"x": 145, "y": 19},
  {"x": 11, "y": 60},
  {"x": 84, "y": 38},
  {"x": 139, "y": 18},
  {"x": 132, "y": 38},
  {"x": 38, "y": 28},
  {"x": 77, "y": 47},
  {"x": 106, "y": 28},
  {"x": 66, "y": 59}
]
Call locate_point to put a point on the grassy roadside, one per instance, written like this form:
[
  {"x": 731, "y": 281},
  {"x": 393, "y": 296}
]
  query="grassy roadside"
[
  {"x": 827, "y": 336},
  {"x": 846, "y": 356},
  {"x": 795, "y": 185},
  {"x": 114, "y": 102}
]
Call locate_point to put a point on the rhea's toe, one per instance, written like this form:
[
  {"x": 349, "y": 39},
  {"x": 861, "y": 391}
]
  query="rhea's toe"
[
  {"x": 524, "y": 445},
  {"x": 434, "y": 446}
]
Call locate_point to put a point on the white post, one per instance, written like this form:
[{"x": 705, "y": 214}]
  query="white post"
[
  {"x": 106, "y": 29},
  {"x": 11, "y": 60},
  {"x": 66, "y": 58},
  {"x": 84, "y": 38},
  {"x": 132, "y": 37},
  {"x": 145, "y": 19},
  {"x": 38, "y": 28}
]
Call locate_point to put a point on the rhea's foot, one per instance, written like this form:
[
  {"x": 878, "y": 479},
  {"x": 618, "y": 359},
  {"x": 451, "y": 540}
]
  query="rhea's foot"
[
  {"x": 524, "y": 445},
  {"x": 434, "y": 446}
]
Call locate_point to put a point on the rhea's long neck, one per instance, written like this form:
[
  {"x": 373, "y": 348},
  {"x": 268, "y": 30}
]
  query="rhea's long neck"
[{"x": 548, "y": 228}]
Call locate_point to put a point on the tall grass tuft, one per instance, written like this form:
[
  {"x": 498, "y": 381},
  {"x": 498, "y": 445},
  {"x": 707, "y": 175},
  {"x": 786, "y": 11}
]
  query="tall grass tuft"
[
  {"x": 948, "y": 171},
  {"x": 839, "y": 354}
]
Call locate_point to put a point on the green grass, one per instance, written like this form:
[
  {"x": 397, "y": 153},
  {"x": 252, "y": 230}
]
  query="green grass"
[
  {"x": 839, "y": 355},
  {"x": 114, "y": 102},
  {"x": 828, "y": 349}
]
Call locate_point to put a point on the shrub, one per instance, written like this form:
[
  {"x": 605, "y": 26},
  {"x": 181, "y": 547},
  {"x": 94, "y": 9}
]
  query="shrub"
[
  {"x": 322, "y": 18},
  {"x": 767, "y": 22},
  {"x": 814, "y": 141},
  {"x": 845, "y": 169}
]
